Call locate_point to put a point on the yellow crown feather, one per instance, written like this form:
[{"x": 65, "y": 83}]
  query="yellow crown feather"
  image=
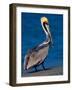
[{"x": 44, "y": 19}]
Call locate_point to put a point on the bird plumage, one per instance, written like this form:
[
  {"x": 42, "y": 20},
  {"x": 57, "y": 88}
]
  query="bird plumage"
[{"x": 37, "y": 54}]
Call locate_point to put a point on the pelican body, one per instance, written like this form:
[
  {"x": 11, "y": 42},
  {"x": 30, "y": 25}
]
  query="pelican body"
[{"x": 37, "y": 55}]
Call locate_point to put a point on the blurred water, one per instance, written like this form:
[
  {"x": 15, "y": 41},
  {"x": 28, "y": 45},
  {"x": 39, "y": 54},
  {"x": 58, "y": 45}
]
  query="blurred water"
[{"x": 33, "y": 34}]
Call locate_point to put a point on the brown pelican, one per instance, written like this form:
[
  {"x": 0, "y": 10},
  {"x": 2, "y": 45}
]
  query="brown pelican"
[{"x": 38, "y": 54}]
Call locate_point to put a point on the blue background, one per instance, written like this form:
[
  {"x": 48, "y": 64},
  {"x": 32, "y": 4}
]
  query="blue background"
[{"x": 33, "y": 34}]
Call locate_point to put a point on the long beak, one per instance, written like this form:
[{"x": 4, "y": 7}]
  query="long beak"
[{"x": 49, "y": 37}]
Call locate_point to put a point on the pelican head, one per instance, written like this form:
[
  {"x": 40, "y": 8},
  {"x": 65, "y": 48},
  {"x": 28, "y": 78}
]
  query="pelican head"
[
  {"x": 44, "y": 20},
  {"x": 45, "y": 26}
]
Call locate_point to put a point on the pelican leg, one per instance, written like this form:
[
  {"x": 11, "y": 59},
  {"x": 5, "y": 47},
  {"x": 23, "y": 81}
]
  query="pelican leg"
[
  {"x": 43, "y": 66},
  {"x": 35, "y": 69}
]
